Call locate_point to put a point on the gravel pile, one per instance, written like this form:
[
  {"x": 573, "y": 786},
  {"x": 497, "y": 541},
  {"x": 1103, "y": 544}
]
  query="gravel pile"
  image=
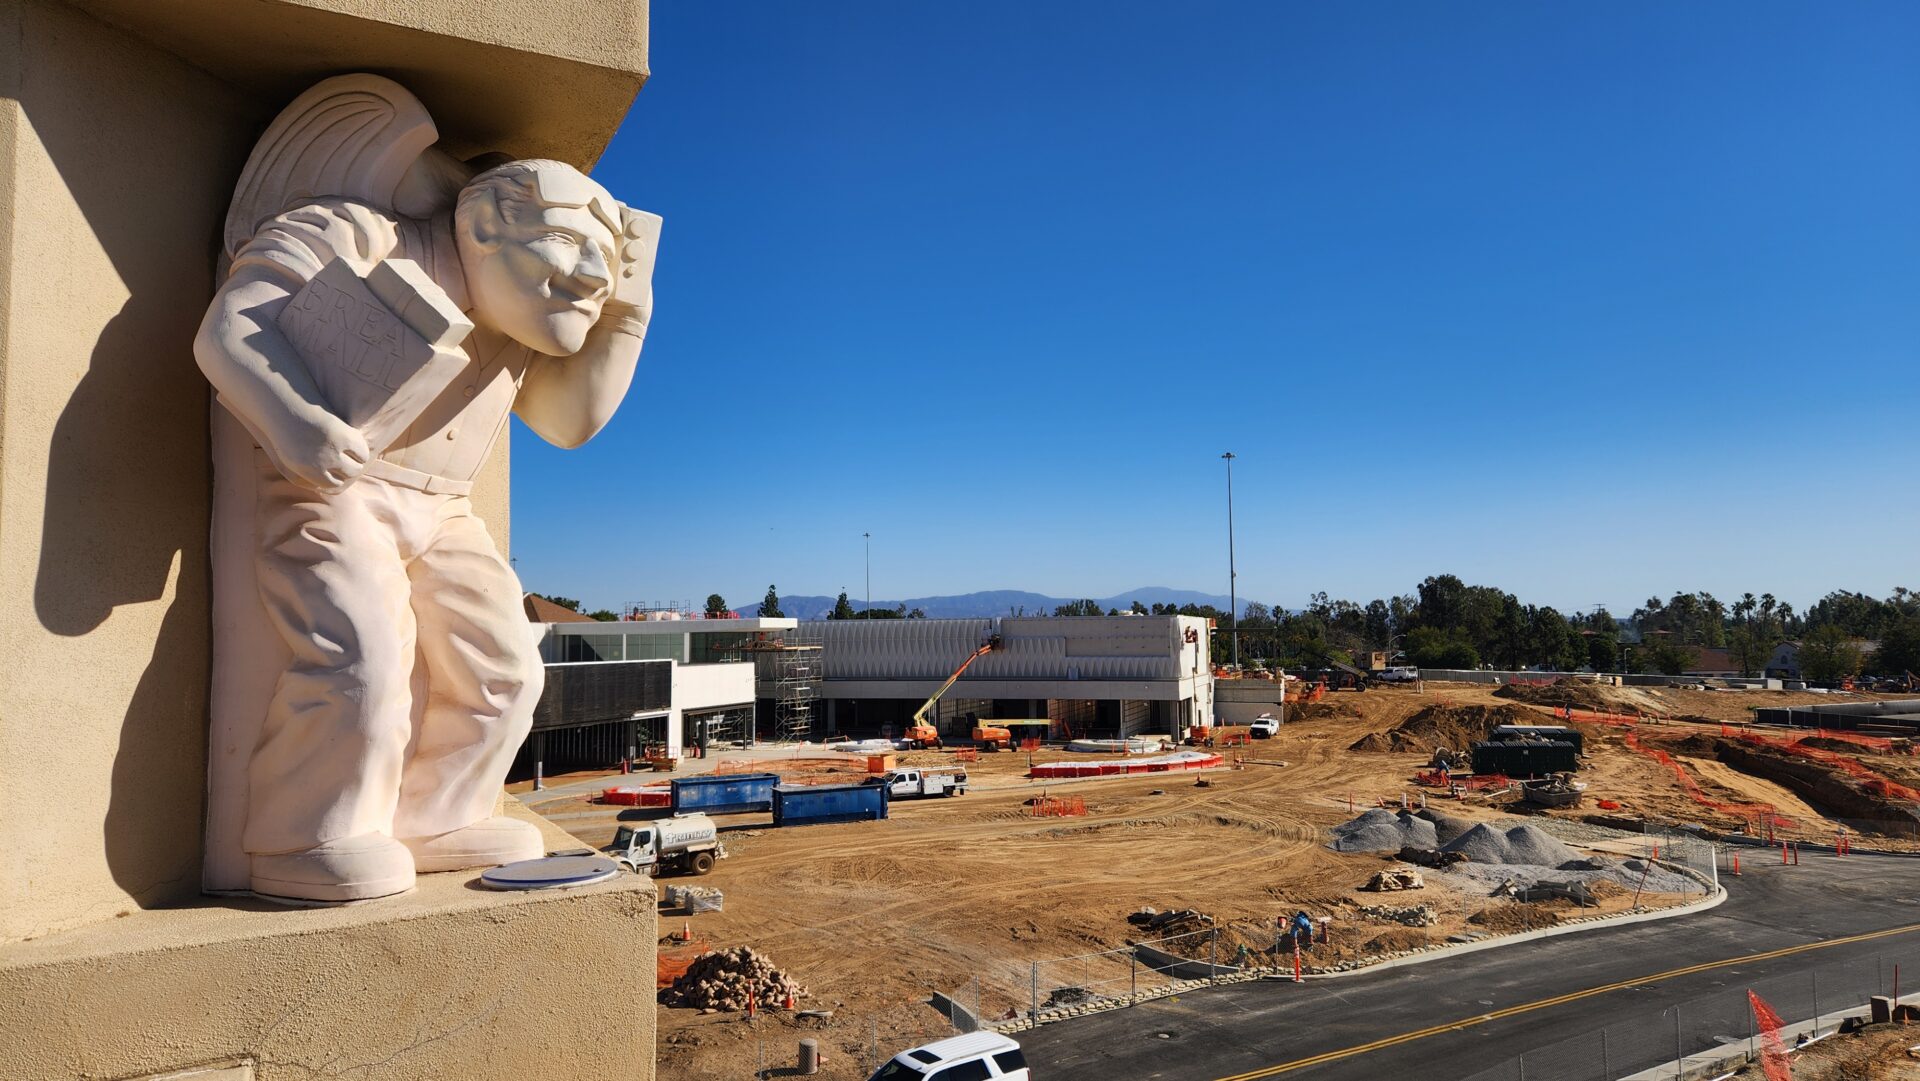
[
  {"x": 1487, "y": 877},
  {"x": 1445, "y": 827},
  {"x": 728, "y": 979},
  {"x": 1381, "y": 830},
  {"x": 1522, "y": 844},
  {"x": 1570, "y": 830}
]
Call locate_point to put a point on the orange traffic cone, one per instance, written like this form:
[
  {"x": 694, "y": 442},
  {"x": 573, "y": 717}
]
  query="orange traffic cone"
[{"x": 789, "y": 1003}]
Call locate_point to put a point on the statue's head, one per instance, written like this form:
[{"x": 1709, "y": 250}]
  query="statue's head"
[{"x": 538, "y": 241}]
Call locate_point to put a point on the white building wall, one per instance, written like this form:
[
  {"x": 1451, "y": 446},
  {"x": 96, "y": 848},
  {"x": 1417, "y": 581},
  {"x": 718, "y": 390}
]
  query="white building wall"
[{"x": 701, "y": 687}]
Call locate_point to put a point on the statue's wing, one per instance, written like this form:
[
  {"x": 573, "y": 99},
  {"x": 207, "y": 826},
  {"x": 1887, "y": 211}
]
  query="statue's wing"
[{"x": 353, "y": 136}]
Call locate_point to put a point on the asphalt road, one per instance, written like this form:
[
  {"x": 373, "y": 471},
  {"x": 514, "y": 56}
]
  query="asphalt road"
[{"x": 1787, "y": 931}]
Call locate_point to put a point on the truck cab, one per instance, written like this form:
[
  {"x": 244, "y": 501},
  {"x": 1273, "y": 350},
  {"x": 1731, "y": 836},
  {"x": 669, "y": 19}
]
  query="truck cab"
[
  {"x": 910, "y": 781},
  {"x": 686, "y": 843}
]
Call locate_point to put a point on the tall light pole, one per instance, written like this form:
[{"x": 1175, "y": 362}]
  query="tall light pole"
[
  {"x": 1233, "y": 575},
  {"x": 869, "y": 612}
]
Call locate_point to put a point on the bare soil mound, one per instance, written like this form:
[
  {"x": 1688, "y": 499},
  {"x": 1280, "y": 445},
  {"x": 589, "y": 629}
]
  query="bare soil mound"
[
  {"x": 1562, "y": 692},
  {"x": 1697, "y": 744},
  {"x": 1453, "y": 727},
  {"x": 1332, "y": 709},
  {"x": 1843, "y": 746}
]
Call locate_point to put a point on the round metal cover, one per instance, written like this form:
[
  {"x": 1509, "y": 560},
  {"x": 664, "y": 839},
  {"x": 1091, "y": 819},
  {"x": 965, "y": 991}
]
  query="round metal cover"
[{"x": 551, "y": 872}]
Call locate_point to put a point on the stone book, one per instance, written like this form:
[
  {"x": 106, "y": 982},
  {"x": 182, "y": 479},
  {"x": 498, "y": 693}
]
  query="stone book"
[{"x": 380, "y": 348}]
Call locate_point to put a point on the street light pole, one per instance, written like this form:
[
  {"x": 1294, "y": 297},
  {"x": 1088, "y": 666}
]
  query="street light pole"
[
  {"x": 869, "y": 612},
  {"x": 1233, "y": 575}
]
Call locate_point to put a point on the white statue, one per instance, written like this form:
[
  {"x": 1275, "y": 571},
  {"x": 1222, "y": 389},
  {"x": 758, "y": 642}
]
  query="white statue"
[{"x": 384, "y": 310}]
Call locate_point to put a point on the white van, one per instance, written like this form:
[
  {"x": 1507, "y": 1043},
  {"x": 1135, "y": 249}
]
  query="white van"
[{"x": 975, "y": 1056}]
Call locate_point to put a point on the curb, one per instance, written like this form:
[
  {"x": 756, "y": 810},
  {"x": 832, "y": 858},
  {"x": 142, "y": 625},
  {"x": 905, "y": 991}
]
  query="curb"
[
  {"x": 1722, "y": 1060},
  {"x": 1575, "y": 926},
  {"x": 1411, "y": 957}
]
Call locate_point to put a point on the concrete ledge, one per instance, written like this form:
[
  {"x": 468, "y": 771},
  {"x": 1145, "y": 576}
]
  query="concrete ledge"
[{"x": 450, "y": 981}]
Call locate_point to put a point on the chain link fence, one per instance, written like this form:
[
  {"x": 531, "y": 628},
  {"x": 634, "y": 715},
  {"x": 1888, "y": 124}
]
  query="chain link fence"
[{"x": 1719, "y": 1021}]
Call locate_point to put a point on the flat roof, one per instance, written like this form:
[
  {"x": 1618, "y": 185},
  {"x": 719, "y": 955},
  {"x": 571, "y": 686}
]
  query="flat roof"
[{"x": 674, "y": 626}]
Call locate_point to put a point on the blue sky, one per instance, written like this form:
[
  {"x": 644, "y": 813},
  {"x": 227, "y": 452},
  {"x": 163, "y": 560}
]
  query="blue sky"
[{"x": 1589, "y": 303}]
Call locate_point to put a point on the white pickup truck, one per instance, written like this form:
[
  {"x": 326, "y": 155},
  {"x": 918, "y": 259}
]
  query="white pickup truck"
[
  {"x": 910, "y": 783},
  {"x": 684, "y": 843}
]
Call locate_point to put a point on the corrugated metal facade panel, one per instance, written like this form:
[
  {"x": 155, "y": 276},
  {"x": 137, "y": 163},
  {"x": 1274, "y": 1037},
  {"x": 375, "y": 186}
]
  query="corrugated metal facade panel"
[
  {"x": 1103, "y": 648},
  {"x": 584, "y": 694}
]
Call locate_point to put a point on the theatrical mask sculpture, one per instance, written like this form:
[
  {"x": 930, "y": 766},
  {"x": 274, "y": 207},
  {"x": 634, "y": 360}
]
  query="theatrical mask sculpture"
[{"x": 383, "y": 310}]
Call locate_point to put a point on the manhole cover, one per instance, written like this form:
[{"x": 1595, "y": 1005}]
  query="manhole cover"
[{"x": 551, "y": 873}]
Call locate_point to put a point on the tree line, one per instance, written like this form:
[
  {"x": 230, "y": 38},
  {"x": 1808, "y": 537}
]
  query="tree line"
[{"x": 1446, "y": 623}]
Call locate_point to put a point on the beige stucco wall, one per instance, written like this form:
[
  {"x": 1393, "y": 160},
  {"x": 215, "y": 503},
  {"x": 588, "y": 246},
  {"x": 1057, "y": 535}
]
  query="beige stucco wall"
[
  {"x": 117, "y": 157},
  {"x": 122, "y": 126}
]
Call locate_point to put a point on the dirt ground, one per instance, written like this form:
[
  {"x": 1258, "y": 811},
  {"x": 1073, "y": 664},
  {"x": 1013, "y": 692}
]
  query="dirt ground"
[
  {"x": 1875, "y": 1053},
  {"x": 874, "y": 917}
]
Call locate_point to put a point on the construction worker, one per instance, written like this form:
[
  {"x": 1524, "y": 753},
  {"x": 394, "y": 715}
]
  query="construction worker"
[{"x": 1302, "y": 930}]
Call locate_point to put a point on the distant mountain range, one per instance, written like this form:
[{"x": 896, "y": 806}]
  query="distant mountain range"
[{"x": 991, "y": 602}]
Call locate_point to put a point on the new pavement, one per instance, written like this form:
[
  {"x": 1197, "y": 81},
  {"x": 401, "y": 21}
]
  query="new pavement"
[{"x": 1457, "y": 1017}]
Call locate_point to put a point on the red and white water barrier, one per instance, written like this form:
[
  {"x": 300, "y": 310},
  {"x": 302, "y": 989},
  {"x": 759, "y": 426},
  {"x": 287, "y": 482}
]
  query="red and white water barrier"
[
  {"x": 1165, "y": 763},
  {"x": 638, "y": 795}
]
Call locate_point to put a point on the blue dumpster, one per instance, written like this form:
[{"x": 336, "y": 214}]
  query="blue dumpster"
[
  {"x": 726, "y": 794},
  {"x": 807, "y": 805}
]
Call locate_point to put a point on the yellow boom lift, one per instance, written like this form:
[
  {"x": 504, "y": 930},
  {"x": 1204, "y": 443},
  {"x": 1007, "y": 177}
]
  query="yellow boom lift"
[{"x": 922, "y": 734}]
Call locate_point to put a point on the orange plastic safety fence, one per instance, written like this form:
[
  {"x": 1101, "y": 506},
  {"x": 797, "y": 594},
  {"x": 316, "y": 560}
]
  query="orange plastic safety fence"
[
  {"x": 673, "y": 963},
  {"x": 1057, "y": 806},
  {"x": 1773, "y": 1051},
  {"x": 1870, "y": 780},
  {"x": 1761, "y": 813}
]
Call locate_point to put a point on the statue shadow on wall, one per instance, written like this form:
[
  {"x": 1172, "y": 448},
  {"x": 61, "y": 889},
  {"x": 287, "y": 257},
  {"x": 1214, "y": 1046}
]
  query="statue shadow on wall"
[{"x": 128, "y": 479}]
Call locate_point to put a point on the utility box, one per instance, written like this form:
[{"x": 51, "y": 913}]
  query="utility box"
[{"x": 1526, "y": 758}]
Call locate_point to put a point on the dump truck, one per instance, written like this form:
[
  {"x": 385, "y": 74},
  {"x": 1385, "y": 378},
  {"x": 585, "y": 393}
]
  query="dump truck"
[
  {"x": 910, "y": 783},
  {"x": 683, "y": 844},
  {"x": 728, "y": 793}
]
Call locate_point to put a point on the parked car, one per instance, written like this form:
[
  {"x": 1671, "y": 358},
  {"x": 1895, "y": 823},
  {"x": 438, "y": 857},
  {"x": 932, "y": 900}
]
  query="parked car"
[
  {"x": 1263, "y": 727},
  {"x": 975, "y": 1056},
  {"x": 1397, "y": 675}
]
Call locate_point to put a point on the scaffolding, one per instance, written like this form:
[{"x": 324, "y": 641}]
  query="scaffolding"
[{"x": 789, "y": 663}]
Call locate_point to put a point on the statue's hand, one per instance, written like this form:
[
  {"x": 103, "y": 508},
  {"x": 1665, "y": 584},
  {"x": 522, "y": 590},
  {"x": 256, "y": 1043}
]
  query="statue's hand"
[
  {"x": 639, "y": 242},
  {"x": 326, "y": 456}
]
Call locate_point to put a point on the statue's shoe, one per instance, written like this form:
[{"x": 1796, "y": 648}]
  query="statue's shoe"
[
  {"x": 487, "y": 843},
  {"x": 351, "y": 869}
]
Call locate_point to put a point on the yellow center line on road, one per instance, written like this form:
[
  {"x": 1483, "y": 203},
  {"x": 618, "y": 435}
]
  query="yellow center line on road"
[{"x": 1512, "y": 1011}]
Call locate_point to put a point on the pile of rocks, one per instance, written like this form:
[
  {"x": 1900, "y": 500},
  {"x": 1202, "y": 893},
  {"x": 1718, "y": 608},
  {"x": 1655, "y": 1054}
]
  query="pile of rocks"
[
  {"x": 1395, "y": 878},
  {"x": 1410, "y": 916},
  {"x": 729, "y": 979}
]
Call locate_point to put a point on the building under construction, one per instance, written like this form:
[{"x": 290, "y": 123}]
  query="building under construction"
[{"x": 1093, "y": 676}]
